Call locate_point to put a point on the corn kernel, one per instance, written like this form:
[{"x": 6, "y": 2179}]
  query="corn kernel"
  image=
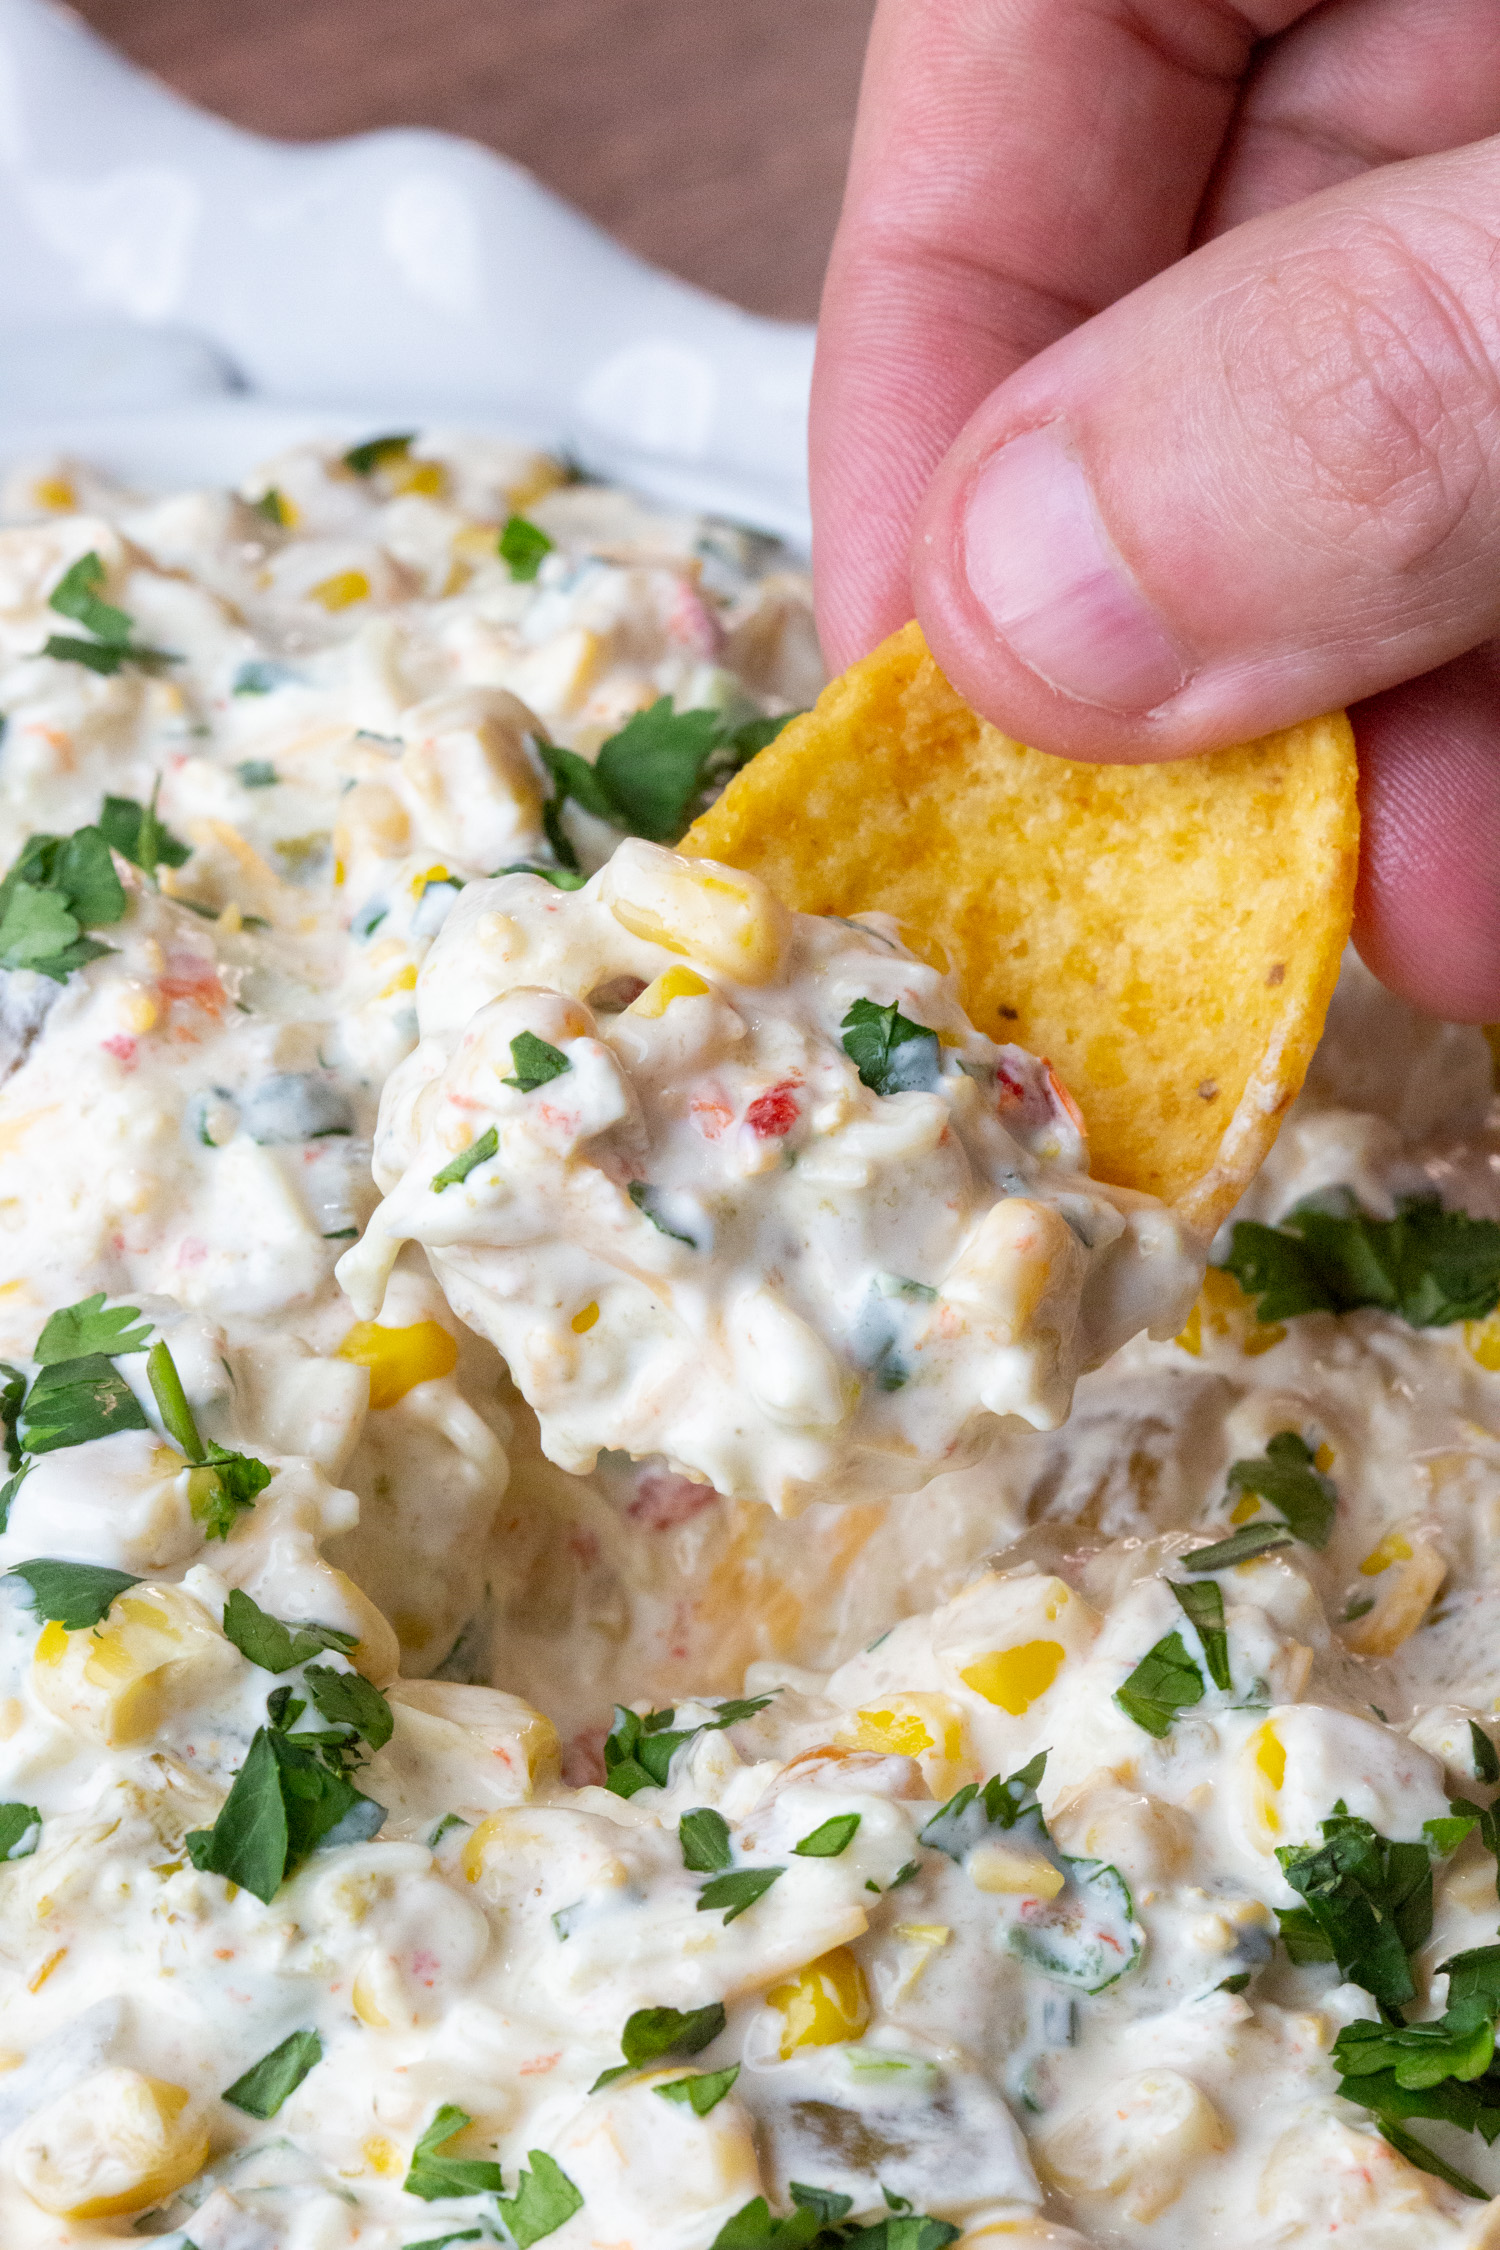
[
  {"x": 1017, "y": 1250},
  {"x": 1268, "y": 1758},
  {"x": 55, "y": 493},
  {"x": 1482, "y": 1337},
  {"x": 1012, "y": 1874},
  {"x": 52, "y": 1643},
  {"x": 399, "y": 1358},
  {"x": 1393, "y": 1548},
  {"x": 1244, "y": 1509},
  {"x": 1408, "y": 1583},
  {"x": 405, "y": 980},
  {"x": 824, "y": 2004},
  {"x": 672, "y": 984},
  {"x": 717, "y": 914},
  {"x": 1324, "y": 1458},
  {"x": 1190, "y": 1336},
  {"x": 139, "y": 1011},
  {"x": 928, "y": 1728},
  {"x": 112, "y": 1681},
  {"x": 1015, "y": 1678},
  {"x": 583, "y": 1321},
  {"x": 341, "y": 591},
  {"x": 383, "y": 2156},
  {"x": 429, "y": 478}
]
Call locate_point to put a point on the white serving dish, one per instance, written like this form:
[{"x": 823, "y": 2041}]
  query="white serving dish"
[{"x": 183, "y": 297}]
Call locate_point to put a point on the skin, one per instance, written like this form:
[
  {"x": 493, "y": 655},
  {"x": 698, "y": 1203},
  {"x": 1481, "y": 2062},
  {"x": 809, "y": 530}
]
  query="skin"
[{"x": 1231, "y": 272}]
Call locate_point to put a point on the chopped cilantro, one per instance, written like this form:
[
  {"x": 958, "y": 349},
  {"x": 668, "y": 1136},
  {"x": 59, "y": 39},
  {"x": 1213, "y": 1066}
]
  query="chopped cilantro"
[
  {"x": 284, "y": 1803},
  {"x": 523, "y": 547},
  {"x": 647, "y": 1201},
  {"x": 74, "y": 1595},
  {"x": 138, "y": 833},
  {"x": 11, "y": 1395},
  {"x": 478, "y": 1152},
  {"x": 1165, "y": 1682},
  {"x": 1286, "y": 1477},
  {"x": 75, "y": 1400},
  {"x": 701, "y": 2090},
  {"x": 261, "y": 2090},
  {"x": 20, "y": 1831},
  {"x": 819, "y": 2221},
  {"x": 1428, "y": 1265},
  {"x": 237, "y": 1477},
  {"x": 373, "y": 453},
  {"x": 1203, "y": 1604},
  {"x": 276, "y": 1647},
  {"x": 829, "y": 1840},
  {"x": 892, "y": 1054},
  {"x": 56, "y": 887},
  {"x": 272, "y": 507},
  {"x": 652, "y": 2033},
  {"x": 638, "y": 1751},
  {"x": 261, "y": 675},
  {"x": 433, "y": 2176},
  {"x": 255, "y": 773},
  {"x": 76, "y": 596},
  {"x": 956, "y": 1827},
  {"x": 536, "y": 1062},
  {"x": 1486, "y": 1759},
  {"x": 561, "y": 878},
  {"x": 445, "y": 1827},
  {"x": 1368, "y": 1905},
  {"x": 704, "y": 1836},
  {"x": 544, "y": 2198},
  {"x": 348, "y": 1699},
  {"x": 1443, "y": 2069},
  {"x": 737, "y": 1891},
  {"x": 654, "y": 768},
  {"x": 79, "y": 1330},
  {"x": 1244, "y": 1545}
]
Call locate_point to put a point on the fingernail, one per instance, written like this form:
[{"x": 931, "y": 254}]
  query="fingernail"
[{"x": 1041, "y": 565}]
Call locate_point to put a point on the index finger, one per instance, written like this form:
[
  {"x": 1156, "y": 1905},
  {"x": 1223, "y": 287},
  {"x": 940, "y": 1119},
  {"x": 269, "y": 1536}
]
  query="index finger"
[{"x": 1017, "y": 166}]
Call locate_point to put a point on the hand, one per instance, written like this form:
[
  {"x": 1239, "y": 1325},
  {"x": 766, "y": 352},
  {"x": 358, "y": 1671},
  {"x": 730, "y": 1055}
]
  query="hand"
[{"x": 1159, "y": 371}]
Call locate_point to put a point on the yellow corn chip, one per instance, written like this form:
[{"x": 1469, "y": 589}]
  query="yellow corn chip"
[{"x": 1168, "y": 936}]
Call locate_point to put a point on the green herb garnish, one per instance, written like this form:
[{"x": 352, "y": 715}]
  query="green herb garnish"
[
  {"x": 1203, "y": 1604},
  {"x": 704, "y": 1836},
  {"x": 832, "y": 1838},
  {"x": 237, "y": 1477},
  {"x": 647, "y": 778},
  {"x": 1244, "y": 1545},
  {"x": 892, "y": 1054},
  {"x": 1428, "y": 1265},
  {"x": 57, "y": 887},
  {"x": 652, "y": 2033},
  {"x": 284, "y": 1803},
  {"x": 1165, "y": 1682},
  {"x": 74, "y": 1595},
  {"x": 478, "y": 1152},
  {"x": 523, "y": 546},
  {"x": 256, "y": 773},
  {"x": 561, "y": 878},
  {"x": 76, "y": 596},
  {"x": 701, "y": 2090},
  {"x": 276, "y": 1647},
  {"x": 1368, "y": 1905},
  {"x": 87, "y": 1327},
  {"x": 373, "y": 453},
  {"x": 647, "y": 1201},
  {"x": 262, "y": 2089},
  {"x": 536, "y": 1062},
  {"x": 20, "y": 1831},
  {"x": 75, "y": 1400},
  {"x": 138, "y": 834},
  {"x": 638, "y": 1750},
  {"x": 1286, "y": 1477},
  {"x": 737, "y": 1891},
  {"x": 433, "y": 2176}
]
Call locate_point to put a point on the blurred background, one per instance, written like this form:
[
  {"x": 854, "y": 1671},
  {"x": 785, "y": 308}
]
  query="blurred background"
[{"x": 708, "y": 135}]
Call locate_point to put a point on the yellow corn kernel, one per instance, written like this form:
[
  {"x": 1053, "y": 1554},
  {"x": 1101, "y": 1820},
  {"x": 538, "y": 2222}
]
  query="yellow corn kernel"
[
  {"x": 1482, "y": 1337},
  {"x": 928, "y": 1728},
  {"x": 544, "y": 476},
  {"x": 429, "y": 478},
  {"x": 1407, "y": 1587},
  {"x": 365, "y": 2006},
  {"x": 1324, "y": 1458},
  {"x": 399, "y": 1358},
  {"x": 824, "y": 2004},
  {"x": 1225, "y": 1310},
  {"x": 1012, "y": 1874},
  {"x": 52, "y": 1643},
  {"x": 139, "y": 1011},
  {"x": 1190, "y": 1336},
  {"x": 672, "y": 984},
  {"x": 1003, "y": 1272},
  {"x": 116, "y": 2144},
  {"x": 39, "y": 1977},
  {"x": 1268, "y": 1761},
  {"x": 1014, "y": 1678},
  {"x": 1245, "y": 1508},
  {"x": 718, "y": 915},
  {"x": 582, "y": 1322},
  {"x": 383, "y": 2156},
  {"x": 924, "y": 1933},
  {"x": 405, "y": 980},
  {"x": 112, "y": 1682},
  {"x": 55, "y": 493},
  {"x": 438, "y": 874},
  {"x": 1393, "y": 1548},
  {"x": 341, "y": 591}
]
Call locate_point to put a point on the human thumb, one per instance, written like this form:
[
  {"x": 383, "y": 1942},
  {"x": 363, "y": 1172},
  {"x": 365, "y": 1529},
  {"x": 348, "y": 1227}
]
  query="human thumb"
[{"x": 1264, "y": 484}]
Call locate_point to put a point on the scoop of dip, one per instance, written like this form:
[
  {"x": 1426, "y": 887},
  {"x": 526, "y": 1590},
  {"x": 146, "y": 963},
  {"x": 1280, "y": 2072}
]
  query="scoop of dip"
[{"x": 746, "y": 1189}]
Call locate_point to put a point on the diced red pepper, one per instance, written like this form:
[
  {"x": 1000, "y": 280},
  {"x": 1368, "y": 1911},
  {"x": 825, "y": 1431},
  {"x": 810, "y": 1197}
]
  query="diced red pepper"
[{"x": 774, "y": 1113}]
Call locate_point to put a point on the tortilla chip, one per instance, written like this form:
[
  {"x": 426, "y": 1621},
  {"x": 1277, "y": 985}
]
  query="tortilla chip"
[{"x": 1168, "y": 936}]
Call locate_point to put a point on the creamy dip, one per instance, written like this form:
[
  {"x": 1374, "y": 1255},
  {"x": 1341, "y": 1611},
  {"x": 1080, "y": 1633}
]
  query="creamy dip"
[{"x": 952, "y": 1863}]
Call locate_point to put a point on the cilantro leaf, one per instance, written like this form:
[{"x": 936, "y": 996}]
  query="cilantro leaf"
[
  {"x": 39, "y": 932},
  {"x": 433, "y": 2176},
  {"x": 261, "y": 2090},
  {"x": 1165, "y": 1682},
  {"x": 255, "y": 773},
  {"x": 76, "y": 595},
  {"x": 969, "y": 1815},
  {"x": 285, "y": 1801},
  {"x": 1428, "y": 1265},
  {"x": 172, "y": 1402},
  {"x": 75, "y": 1400},
  {"x": 536, "y": 1062},
  {"x": 701, "y": 2090},
  {"x": 56, "y": 885},
  {"x": 237, "y": 1479},
  {"x": 573, "y": 776},
  {"x": 832, "y": 1838},
  {"x": 81, "y": 1329},
  {"x": 20, "y": 1831},
  {"x": 892, "y": 1054},
  {"x": 1486, "y": 1759},
  {"x": 372, "y": 454},
  {"x": 82, "y": 870},
  {"x": 276, "y": 1647},
  {"x": 704, "y": 1836},
  {"x": 11, "y": 1395},
  {"x": 72, "y": 1594},
  {"x": 273, "y": 508},
  {"x": 638, "y": 1751},
  {"x": 1202, "y": 1603},
  {"x": 654, "y": 767},
  {"x": 1244, "y": 1545},
  {"x": 561, "y": 878},
  {"x": 477, "y": 1153},
  {"x": 1418, "y": 2153},
  {"x": 753, "y": 2228},
  {"x": 138, "y": 834},
  {"x": 737, "y": 1891},
  {"x": 829, "y": 2205},
  {"x": 651, "y": 2033},
  {"x": 646, "y": 1200},
  {"x": 1287, "y": 1479},
  {"x": 545, "y": 2197},
  {"x": 349, "y": 1699},
  {"x": 523, "y": 546},
  {"x": 746, "y": 741},
  {"x": 1368, "y": 1905}
]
